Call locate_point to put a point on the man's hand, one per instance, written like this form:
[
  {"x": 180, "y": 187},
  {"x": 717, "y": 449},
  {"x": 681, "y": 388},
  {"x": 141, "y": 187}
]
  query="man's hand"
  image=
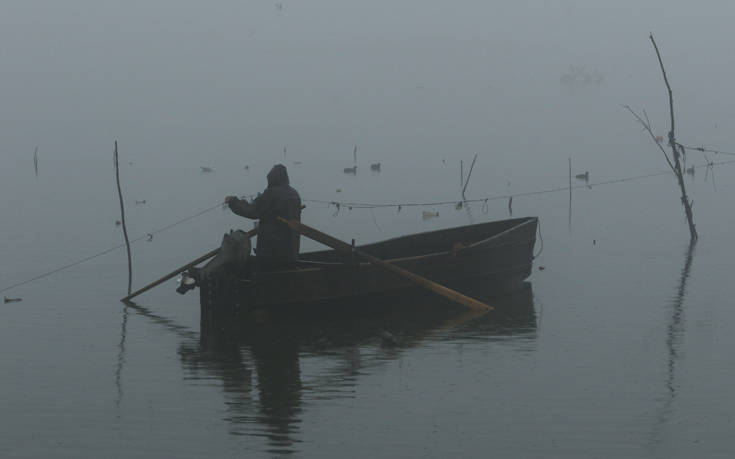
[{"x": 229, "y": 198}]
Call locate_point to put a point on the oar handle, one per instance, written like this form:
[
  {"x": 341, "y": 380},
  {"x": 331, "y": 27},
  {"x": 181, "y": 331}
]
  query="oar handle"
[{"x": 170, "y": 275}]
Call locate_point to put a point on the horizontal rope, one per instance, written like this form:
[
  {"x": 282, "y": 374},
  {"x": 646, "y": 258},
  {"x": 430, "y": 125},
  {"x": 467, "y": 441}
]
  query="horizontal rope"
[
  {"x": 358, "y": 205},
  {"x": 111, "y": 249},
  {"x": 707, "y": 150},
  {"x": 372, "y": 205}
]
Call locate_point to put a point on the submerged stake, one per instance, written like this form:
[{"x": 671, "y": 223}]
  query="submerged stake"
[
  {"x": 35, "y": 161},
  {"x": 122, "y": 217}
]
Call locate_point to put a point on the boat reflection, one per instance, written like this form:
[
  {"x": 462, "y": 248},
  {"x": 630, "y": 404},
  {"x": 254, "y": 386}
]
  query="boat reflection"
[{"x": 272, "y": 371}]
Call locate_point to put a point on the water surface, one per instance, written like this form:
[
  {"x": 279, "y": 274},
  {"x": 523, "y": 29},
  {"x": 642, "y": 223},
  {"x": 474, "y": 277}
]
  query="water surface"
[{"x": 618, "y": 347}]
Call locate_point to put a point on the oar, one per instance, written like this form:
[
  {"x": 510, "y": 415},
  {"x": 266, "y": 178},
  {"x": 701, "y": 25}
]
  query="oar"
[
  {"x": 342, "y": 246},
  {"x": 168, "y": 276}
]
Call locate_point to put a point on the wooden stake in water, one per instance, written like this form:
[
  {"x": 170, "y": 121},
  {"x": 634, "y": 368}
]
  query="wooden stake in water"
[
  {"x": 467, "y": 182},
  {"x": 570, "y": 194},
  {"x": 35, "y": 161},
  {"x": 122, "y": 218},
  {"x": 461, "y": 172}
]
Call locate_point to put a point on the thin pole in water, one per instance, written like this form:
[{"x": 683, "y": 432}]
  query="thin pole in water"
[
  {"x": 35, "y": 161},
  {"x": 124, "y": 226},
  {"x": 467, "y": 182},
  {"x": 461, "y": 173},
  {"x": 570, "y": 194}
]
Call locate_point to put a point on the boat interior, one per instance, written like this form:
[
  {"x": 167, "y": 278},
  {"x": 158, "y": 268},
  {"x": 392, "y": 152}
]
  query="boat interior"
[{"x": 443, "y": 240}]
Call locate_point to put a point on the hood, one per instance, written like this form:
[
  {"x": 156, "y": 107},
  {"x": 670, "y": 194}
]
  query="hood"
[{"x": 277, "y": 176}]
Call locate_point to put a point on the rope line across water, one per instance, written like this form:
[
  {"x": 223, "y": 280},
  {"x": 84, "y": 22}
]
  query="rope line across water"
[
  {"x": 370, "y": 205},
  {"x": 354, "y": 205},
  {"x": 111, "y": 249}
]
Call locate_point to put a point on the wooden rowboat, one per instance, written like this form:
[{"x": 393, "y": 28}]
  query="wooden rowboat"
[{"x": 499, "y": 252}]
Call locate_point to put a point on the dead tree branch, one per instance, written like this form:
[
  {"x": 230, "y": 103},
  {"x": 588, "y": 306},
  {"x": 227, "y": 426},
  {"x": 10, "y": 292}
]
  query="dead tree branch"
[
  {"x": 647, "y": 127},
  {"x": 675, "y": 165}
]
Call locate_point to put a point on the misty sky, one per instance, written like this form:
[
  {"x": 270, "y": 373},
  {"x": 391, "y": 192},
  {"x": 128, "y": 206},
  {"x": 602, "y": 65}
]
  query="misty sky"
[{"x": 79, "y": 73}]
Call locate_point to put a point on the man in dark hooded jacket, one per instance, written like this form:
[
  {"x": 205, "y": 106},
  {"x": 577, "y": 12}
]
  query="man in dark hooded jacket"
[{"x": 277, "y": 246}]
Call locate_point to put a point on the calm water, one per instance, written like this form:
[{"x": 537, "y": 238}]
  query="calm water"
[{"x": 619, "y": 347}]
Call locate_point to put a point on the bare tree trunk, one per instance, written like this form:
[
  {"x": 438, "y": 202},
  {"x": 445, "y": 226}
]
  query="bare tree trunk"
[
  {"x": 678, "y": 170},
  {"x": 676, "y": 148}
]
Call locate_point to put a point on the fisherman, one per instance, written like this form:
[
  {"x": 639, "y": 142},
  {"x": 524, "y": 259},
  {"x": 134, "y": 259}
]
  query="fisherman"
[{"x": 277, "y": 246}]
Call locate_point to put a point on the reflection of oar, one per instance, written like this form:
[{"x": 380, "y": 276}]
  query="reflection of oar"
[
  {"x": 336, "y": 244},
  {"x": 168, "y": 276}
]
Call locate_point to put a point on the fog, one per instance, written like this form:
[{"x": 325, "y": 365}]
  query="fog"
[
  {"x": 418, "y": 86},
  {"x": 250, "y": 76},
  {"x": 622, "y": 346}
]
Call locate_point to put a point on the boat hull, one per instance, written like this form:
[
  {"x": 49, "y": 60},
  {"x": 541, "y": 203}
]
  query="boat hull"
[{"x": 497, "y": 253}]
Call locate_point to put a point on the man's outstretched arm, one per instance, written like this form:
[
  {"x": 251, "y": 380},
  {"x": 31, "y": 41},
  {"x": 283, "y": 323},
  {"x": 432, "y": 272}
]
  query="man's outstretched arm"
[{"x": 245, "y": 209}]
